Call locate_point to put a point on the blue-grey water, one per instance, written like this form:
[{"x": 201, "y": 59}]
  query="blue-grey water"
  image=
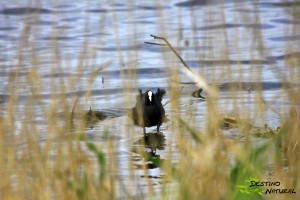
[{"x": 243, "y": 42}]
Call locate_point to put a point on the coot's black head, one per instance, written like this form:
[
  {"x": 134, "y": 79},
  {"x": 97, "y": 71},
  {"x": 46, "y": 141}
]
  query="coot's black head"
[
  {"x": 148, "y": 97},
  {"x": 151, "y": 98}
]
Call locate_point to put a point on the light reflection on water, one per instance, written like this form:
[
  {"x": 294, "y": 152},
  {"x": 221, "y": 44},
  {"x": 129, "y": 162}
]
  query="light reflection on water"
[{"x": 114, "y": 35}]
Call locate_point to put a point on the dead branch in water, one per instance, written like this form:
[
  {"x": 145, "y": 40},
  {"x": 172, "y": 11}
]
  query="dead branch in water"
[
  {"x": 174, "y": 50},
  {"x": 183, "y": 83},
  {"x": 200, "y": 81}
]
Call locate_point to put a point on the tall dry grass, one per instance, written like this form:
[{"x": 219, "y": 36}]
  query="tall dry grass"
[{"x": 62, "y": 163}]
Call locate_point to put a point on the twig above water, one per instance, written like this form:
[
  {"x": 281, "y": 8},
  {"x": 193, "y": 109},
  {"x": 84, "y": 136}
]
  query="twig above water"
[
  {"x": 174, "y": 50},
  {"x": 200, "y": 81},
  {"x": 184, "y": 83}
]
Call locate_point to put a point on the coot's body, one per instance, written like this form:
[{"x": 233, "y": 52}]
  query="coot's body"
[{"x": 148, "y": 110}]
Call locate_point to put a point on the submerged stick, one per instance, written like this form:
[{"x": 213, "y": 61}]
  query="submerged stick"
[{"x": 200, "y": 81}]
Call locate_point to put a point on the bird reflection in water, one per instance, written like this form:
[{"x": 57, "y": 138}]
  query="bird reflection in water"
[{"x": 153, "y": 142}]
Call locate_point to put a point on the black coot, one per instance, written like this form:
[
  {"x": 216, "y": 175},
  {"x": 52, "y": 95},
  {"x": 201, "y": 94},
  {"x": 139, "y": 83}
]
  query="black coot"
[{"x": 148, "y": 110}]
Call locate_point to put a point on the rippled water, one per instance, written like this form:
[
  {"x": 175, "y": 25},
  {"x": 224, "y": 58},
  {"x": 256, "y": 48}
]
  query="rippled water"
[{"x": 219, "y": 41}]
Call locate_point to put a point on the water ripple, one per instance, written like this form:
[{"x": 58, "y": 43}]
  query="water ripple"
[
  {"x": 24, "y": 11},
  {"x": 286, "y": 38},
  {"x": 8, "y": 28},
  {"x": 229, "y": 25},
  {"x": 197, "y": 63},
  {"x": 286, "y": 21}
]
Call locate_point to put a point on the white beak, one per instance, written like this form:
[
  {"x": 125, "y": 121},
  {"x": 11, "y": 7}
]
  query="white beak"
[{"x": 150, "y": 95}]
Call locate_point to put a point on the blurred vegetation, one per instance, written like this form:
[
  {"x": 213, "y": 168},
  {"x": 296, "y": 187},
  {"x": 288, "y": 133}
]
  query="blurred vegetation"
[{"x": 64, "y": 164}]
